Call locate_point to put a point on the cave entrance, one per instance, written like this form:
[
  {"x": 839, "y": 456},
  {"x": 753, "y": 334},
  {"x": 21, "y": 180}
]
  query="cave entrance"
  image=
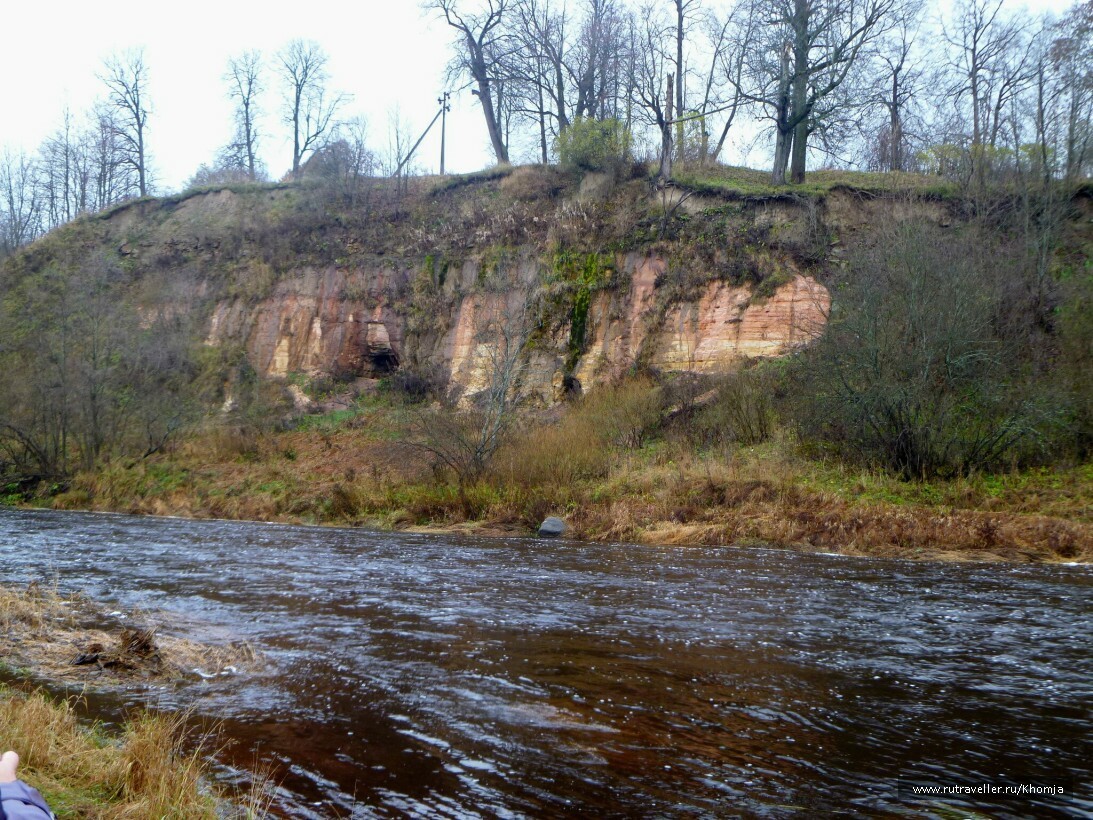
[{"x": 384, "y": 362}]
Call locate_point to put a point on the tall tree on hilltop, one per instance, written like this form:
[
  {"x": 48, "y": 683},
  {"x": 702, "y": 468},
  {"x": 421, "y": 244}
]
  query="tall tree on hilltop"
[
  {"x": 798, "y": 68},
  {"x": 900, "y": 78},
  {"x": 653, "y": 83},
  {"x": 244, "y": 86},
  {"x": 126, "y": 79},
  {"x": 309, "y": 108},
  {"x": 478, "y": 55},
  {"x": 683, "y": 11},
  {"x": 1072, "y": 65},
  {"x": 989, "y": 56}
]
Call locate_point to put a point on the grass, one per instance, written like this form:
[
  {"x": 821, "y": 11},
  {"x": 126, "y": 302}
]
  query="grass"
[
  {"x": 152, "y": 766},
  {"x": 42, "y": 632},
  {"x": 150, "y": 769},
  {"x": 617, "y": 470},
  {"x": 747, "y": 182}
]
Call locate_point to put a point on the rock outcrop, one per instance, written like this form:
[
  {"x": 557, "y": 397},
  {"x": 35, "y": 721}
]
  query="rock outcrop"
[
  {"x": 303, "y": 284},
  {"x": 355, "y": 323}
]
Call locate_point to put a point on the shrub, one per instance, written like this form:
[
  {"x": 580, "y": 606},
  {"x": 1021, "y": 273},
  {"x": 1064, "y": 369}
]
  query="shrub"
[
  {"x": 593, "y": 145},
  {"x": 555, "y": 455},
  {"x": 416, "y": 383},
  {"x": 930, "y": 364},
  {"x": 626, "y": 415},
  {"x": 741, "y": 410}
]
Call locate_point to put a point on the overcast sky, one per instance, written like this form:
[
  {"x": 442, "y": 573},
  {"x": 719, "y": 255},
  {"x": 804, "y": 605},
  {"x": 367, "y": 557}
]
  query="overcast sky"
[{"x": 385, "y": 53}]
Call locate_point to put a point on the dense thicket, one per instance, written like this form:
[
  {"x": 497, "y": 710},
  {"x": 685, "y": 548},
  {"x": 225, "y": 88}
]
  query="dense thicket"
[
  {"x": 87, "y": 374},
  {"x": 945, "y": 354}
]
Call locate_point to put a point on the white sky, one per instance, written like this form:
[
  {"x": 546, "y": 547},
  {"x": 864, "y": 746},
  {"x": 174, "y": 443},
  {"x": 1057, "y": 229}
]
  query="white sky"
[{"x": 385, "y": 53}]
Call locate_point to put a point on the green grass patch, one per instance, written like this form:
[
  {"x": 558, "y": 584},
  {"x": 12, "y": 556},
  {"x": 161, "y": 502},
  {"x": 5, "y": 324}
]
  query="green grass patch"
[{"x": 748, "y": 182}]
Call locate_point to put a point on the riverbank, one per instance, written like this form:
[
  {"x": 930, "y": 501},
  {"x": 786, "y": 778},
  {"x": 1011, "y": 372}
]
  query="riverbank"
[
  {"x": 355, "y": 468},
  {"x": 151, "y": 766},
  {"x": 147, "y": 768},
  {"x": 72, "y": 640}
]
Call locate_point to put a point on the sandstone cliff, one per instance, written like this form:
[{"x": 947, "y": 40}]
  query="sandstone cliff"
[{"x": 303, "y": 283}]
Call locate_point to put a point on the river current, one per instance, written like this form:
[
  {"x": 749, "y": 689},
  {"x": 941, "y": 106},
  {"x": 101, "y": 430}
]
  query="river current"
[{"x": 448, "y": 676}]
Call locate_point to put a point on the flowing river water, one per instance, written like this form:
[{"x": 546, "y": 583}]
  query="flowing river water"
[{"x": 430, "y": 675}]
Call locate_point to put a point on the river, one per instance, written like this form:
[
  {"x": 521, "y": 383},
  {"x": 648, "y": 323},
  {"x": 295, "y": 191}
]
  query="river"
[{"x": 430, "y": 675}]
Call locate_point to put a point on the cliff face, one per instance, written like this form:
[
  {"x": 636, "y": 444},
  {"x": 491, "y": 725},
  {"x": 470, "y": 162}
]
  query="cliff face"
[
  {"x": 596, "y": 283},
  {"x": 354, "y": 322}
]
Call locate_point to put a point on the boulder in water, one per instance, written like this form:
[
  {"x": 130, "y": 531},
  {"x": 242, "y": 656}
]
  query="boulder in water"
[{"x": 551, "y": 528}]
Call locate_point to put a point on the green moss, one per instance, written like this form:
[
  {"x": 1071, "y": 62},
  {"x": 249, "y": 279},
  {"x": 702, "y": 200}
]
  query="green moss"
[
  {"x": 580, "y": 274},
  {"x": 768, "y": 286}
]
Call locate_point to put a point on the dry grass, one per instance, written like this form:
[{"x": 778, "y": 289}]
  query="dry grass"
[
  {"x": 764, "y": 500},
  {"x": 152, "y": 770},
  {"x": 608, "y": 465},
  {"x": 751, "y": 182},
  {"x": 44, "y": 634}
]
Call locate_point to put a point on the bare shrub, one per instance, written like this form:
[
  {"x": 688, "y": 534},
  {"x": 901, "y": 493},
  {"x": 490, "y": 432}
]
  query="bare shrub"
[
  {"x": 926, "y": 366},
  {"x": 739, "y": 411},
  {"x": 465, "y": 440},
  {"x": 555, "y": 455},
  {"x": 626, "y": 414}
]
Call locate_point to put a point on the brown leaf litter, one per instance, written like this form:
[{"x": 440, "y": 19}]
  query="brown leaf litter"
[{"x": 72, "y": 639}]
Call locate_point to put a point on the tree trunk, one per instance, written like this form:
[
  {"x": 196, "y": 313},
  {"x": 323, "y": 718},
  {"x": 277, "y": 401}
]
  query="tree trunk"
[
  {"x": 484, "y": 94},
  {"x": 783, "y": 141},
  {"x": 680, "y": 147},
  {"x": 542, "y": 126},
  {"x": 783, "y": 133},
  {"x": 666, "y": 136},
  {"x": 896, "y": 127},
  {"x": 249, "y": 136},
  {"x": 141, "y": 164},
  {"x": 800, "y": 111},
  {"x": 296, "y": 134}
]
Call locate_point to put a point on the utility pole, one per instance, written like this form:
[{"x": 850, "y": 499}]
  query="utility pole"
[{"x": 444, "y": 109}]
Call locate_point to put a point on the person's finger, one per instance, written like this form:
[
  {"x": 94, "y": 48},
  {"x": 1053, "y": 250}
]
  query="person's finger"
[{"x": 8, "y": 765}]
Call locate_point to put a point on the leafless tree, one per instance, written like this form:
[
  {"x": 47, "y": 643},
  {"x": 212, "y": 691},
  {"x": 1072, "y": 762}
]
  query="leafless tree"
[
  {"x": 64, "y": 172},
  {"x": 346, "y": 163},
  {"x": 244, "y": 85},
  {"x": 310, "y": 109},
  {"x": 479, "y": 54},
  {"x": 598, "y": 60},
  {"x": 565, "y": 62},
  {"x": 400, "y": 140},
  {"x": 465, "y": 441},
  {"x": 536, "y": 64},
  {"x": 653, "y": 83},
  {"x": 727, "y": 39},
  {"x": 684, "y": 10},
  {"x": 800, "y": 64},
  {"x": 99, "y": 376},
  {"x": 989, "y": 56},
  {"x": 899, "y": 82},
  {"x": 126, "y": 79},
  {"x": 1071, "y": 64},
  {"x": 113, "y": 176},
  {"x": 360, "y": 160},
  {"x": 20, "y": 210}
]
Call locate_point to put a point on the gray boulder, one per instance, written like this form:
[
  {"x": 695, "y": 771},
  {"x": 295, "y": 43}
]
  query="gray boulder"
[{"x": 551, "y": 528}]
